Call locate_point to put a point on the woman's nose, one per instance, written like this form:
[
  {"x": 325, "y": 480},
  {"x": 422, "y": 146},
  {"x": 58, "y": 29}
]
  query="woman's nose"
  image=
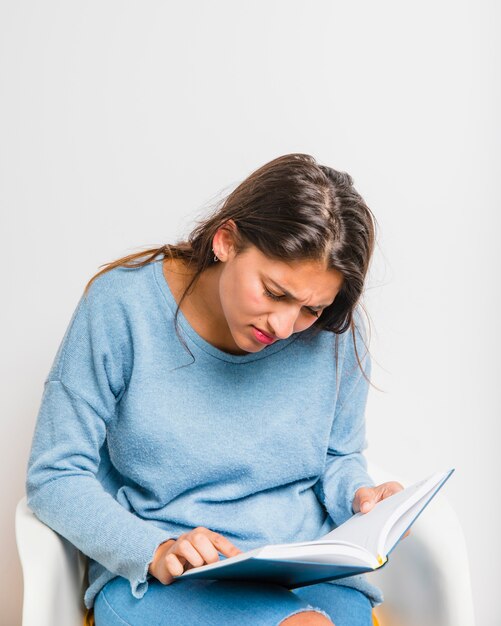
[{"x": 282, "y": 323}]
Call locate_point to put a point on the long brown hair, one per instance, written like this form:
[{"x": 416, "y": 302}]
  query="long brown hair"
[{"x": 291, "y": 209}]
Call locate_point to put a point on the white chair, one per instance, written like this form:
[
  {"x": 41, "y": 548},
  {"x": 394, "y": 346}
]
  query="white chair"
[
  {"x": 53, "y": 573},
  {"x": 426, "y": 580}
]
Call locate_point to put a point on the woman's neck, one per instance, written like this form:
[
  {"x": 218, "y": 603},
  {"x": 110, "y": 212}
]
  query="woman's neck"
[{"x": 201, "y": 306}]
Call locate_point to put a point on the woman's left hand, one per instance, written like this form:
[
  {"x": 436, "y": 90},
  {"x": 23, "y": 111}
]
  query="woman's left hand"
[{"x": 366, "y": 497}]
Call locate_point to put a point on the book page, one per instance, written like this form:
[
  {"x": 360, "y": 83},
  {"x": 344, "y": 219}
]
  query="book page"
[
  {"x": 372, "y": 530},
  {"x": 315, "y": 552}
]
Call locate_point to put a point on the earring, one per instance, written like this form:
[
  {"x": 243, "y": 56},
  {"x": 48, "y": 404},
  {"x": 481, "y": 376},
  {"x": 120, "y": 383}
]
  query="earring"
[{"x": 215, "y": 257}]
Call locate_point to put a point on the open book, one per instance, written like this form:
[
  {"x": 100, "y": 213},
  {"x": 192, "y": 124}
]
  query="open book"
[{"x": 362, "y": 544}]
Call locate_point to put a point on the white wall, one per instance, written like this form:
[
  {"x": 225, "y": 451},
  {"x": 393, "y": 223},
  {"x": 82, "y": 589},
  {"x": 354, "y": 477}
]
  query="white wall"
[{"x": 119, "y": 121}]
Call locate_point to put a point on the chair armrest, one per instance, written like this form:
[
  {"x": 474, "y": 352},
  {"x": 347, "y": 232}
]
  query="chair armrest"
[
  {"x": 53, "y": 573},
  {"x": 426, "y": 579}
]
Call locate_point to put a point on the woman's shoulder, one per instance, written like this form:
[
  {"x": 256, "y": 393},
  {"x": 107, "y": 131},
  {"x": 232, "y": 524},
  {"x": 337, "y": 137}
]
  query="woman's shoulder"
[{"x": 121, "y": 284}]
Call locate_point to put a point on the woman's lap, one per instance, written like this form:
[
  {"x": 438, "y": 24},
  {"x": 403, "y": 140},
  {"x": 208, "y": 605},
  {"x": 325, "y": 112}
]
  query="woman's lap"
[
  {"x": 346, "y": 606},
  {"x": 216, "y": 603}
]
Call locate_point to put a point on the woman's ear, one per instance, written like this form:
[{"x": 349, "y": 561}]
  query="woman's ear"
[{"x": 223, "y": 242}]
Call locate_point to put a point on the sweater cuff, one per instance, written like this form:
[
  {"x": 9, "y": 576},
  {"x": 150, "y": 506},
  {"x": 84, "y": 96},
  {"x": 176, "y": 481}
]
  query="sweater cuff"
[
  {"x": 339, "y": 505},
  {"x": 139, "y": 576}
]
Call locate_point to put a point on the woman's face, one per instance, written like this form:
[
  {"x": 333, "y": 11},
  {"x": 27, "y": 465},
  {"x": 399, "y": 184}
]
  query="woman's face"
[{"x": 257, "y": 294}]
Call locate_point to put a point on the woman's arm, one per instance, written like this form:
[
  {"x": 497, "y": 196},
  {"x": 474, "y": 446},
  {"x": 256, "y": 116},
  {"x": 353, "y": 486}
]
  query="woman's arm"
[
  {"x": 78, "y": 404},
  {"x": 345, "y": 468}
]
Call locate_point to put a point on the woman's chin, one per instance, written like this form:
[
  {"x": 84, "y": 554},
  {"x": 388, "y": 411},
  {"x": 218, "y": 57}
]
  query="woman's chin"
[{"x": 247, "y": 343}]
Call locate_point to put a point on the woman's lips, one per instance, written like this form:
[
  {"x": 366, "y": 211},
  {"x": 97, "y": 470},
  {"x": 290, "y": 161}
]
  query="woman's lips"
[{"x": 262, "y": 336}]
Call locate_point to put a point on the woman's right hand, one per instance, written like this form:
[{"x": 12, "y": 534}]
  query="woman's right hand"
[{"x": 193, "y": 549}]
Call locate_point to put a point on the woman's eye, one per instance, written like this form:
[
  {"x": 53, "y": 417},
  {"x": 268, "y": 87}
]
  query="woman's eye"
[{"x": 272, "y": 295}]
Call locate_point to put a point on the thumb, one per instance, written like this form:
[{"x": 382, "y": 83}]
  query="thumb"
[
  {"x": 366, "y": 505},
  {"x": 365, "y": 499}
]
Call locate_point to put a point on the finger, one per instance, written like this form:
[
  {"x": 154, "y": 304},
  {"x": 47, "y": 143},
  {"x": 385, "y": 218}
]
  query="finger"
[
  {"x": 389, "y": 488},
  {"x": 173, "y": 565},
  {"x": 366, "y": 505},
  {"x": 364, "y": 499},
  {"x": 205, "y": 547},
  {"x": 223, "y": 545},
  {"x": 185, "y": 548}
]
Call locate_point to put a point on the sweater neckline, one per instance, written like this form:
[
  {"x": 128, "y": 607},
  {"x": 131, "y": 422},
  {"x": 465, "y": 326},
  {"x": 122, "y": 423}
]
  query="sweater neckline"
[{"x": 199, "y": 340}]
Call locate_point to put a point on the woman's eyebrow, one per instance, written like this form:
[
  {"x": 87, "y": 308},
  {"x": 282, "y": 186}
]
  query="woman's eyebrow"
[{"x": 292, "y": 297}]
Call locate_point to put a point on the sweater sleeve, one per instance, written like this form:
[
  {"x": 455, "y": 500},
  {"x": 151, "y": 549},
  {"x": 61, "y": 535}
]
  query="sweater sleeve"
[
  {"x": 345, "y": 468},
  {"x": 85, "y": 382}
]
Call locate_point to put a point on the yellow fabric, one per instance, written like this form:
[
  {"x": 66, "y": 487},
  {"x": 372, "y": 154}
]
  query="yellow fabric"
[
  {"x": 89, "y": 618},
  {"x": 375, "y": 619}
]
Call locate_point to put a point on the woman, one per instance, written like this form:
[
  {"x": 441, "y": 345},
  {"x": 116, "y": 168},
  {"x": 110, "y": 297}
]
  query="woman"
[{"x": 208, "y": 398}]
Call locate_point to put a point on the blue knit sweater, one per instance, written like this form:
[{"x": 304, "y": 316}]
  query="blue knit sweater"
[{"x": 137, "y": 442}]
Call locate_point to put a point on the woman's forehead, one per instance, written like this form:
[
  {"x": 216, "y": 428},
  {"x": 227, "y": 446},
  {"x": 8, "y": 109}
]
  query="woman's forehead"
[
  {"x": 287, "y": 267},
  {"x": 302, "y": 279}
]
